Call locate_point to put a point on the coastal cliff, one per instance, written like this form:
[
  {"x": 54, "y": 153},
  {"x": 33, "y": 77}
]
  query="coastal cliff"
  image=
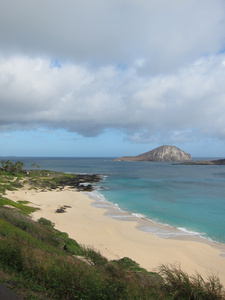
[{"x": 163, "y": 153}]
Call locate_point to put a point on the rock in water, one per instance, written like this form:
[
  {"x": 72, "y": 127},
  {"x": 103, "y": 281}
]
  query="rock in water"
[{"x": 163, "y": 153}]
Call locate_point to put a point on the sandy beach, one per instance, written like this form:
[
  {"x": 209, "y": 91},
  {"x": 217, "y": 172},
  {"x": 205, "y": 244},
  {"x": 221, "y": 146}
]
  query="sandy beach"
[{"x": 90, "y": 226}]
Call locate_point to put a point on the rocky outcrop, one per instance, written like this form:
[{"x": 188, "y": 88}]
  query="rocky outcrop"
[
  {"x": 163, "y": 153},
  {"x": 219, "y": 162}
]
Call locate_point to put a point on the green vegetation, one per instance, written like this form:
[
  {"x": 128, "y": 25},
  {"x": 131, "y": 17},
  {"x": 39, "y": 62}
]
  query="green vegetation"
[
  {"x": 26, "y": 210},
  {"x": 181, "y": 286},
  {"x": 39, "y": 262},
  {"x": 8, "y": 166},
  {"x": 13, "y": 177}
]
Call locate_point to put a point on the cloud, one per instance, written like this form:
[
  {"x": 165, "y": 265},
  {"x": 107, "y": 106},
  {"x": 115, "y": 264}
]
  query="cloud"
[
  {"x": 178, "y": 106},
  {"x": 151, "y": 69},
  {"x": 163, "y": 34}
]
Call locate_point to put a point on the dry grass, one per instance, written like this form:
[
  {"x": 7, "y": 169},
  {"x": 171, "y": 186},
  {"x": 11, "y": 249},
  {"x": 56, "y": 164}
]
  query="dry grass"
[{"x": 182, "y": 286}]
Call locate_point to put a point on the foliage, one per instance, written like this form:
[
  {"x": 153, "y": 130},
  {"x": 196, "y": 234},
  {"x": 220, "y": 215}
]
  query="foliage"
[
  {"x": 46, "y": 222},
  {"x": 12, "y": 177},
  {"x": 94, "y": 257},
  {"x": 36, "y": 264},
  {"x": 8, "y": 166},
  {"x": 26, "y": 210},
  {"x": 181, "y": 286},
  {"x": 33, "y": 253}
]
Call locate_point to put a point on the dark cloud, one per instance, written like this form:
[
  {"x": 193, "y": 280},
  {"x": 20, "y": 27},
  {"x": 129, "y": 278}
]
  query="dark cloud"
[{"x": 166, "y": 35}]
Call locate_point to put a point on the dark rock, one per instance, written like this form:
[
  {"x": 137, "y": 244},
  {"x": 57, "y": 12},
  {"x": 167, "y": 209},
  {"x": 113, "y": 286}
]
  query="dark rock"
[
  {"x": 219, "y": 162},
  {"x": 62, "y": 209}
]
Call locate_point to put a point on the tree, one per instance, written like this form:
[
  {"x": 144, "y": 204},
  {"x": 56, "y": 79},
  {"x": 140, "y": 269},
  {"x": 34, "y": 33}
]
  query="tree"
[
  {"x": 3, "y": 164},
  {"x": 9, "y": 166},
  {"x": 35, "y": 165},
  {"x": 18, "y": 166}
]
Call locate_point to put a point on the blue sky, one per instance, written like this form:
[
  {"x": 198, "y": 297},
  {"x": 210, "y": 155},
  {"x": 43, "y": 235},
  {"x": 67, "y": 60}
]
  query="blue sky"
[{"x": 111, "y": 78}]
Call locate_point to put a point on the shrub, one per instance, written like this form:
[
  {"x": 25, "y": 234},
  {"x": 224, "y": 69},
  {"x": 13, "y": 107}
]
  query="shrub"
[
  {"x": 182, "y": 286},
  {"x": 94, "y": 257},
  {"x": 10, "y": 254},
  {"x": 46, "y": 222}
]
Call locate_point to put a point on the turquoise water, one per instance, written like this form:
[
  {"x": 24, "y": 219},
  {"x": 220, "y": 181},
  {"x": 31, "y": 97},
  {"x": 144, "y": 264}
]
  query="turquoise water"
[{"x": 191, "y": 198}]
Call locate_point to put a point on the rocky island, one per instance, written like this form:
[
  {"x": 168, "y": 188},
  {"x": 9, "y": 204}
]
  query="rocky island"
[
  {"x": 219, "y": 162},
  {"x": 163, "y": 153}
]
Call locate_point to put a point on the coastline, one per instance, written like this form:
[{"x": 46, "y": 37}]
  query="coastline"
[
  {"x": 145, "y": 224},
  {"x": 92, "y": 225}
]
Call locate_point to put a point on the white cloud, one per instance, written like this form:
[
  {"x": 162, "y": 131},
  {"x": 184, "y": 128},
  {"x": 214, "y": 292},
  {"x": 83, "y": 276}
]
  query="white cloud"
[{"x": 77, "y": 98}]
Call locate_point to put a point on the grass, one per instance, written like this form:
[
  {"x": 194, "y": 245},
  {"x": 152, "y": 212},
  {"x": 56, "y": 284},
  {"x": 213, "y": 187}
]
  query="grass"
[
  {"x": 43, "y": 259},
  {"x": 20, "y": 205},
  {"x": 39, "y": 262},
  {"x": 182, "y": 286}
]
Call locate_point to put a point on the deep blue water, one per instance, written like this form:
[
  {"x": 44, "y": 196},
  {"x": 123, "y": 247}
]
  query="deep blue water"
[{"x": 188, "y": 197}]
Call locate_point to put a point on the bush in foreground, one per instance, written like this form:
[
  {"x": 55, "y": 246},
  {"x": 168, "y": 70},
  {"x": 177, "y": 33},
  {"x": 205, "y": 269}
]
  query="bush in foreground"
[{"x": 182, "y": 286}]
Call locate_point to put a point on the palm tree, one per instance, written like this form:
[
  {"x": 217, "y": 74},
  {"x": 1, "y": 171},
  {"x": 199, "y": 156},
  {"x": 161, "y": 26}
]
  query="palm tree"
[
  {"x": 3, "y": 165},
  {"x": 35, "y": 165},
  {"x": 18, "y": 166},
  {"x": 9, "y": 166}
]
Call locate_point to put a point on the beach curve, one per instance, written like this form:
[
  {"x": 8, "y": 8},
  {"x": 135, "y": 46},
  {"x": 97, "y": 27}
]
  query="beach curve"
[{"x": 91, "y": 226}]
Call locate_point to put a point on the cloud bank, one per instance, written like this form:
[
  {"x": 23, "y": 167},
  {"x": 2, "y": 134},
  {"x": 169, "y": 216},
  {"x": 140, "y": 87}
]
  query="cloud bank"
[
  {"x": 164, "y": 34},
  {"x": 189, "y": 102},
  {"x": 152, "y": 69}
]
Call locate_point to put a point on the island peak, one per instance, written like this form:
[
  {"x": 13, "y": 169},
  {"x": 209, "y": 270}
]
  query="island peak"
[{"x": 162, "y": 153}]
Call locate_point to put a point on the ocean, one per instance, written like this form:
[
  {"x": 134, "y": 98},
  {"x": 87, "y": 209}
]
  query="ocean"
[{"x": 188, "y": 200}]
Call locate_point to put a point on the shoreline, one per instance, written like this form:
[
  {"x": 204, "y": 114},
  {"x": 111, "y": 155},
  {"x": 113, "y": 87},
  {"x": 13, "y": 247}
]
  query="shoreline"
[
  {"x": 92, "y": 225},
  {"x": 164, "y": 231}
]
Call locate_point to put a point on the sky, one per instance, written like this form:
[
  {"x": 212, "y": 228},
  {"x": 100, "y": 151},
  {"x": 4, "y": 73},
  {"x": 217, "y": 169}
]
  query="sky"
[{"x": 85, "y": 78}]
